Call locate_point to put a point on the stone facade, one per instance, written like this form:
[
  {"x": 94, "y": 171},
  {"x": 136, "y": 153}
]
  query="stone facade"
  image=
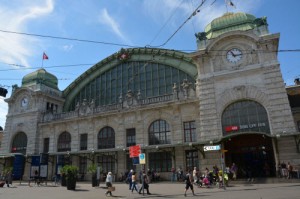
[{"x": 219, "y": 83}]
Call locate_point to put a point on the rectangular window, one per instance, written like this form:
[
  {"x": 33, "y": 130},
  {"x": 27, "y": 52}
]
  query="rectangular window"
[
  {"x": 107, "y": 162},
  {"x": 46, "y": 145},
  {"x": 191, "y": 159},
  {"x": 83, "y": 141},
  {"x": 130, "y": 137},
  {"x": 189, "y": 131},
  {"x": 160, "y": 161},
  {"x": 82, "y": 165}
]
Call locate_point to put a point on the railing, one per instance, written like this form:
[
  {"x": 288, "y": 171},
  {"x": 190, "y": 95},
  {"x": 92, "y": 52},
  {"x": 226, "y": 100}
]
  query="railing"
[{"x": 153, "y": 100}]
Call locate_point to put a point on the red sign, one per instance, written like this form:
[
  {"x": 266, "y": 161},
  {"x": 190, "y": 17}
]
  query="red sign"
[
  {"x": 231, "y": 128},
  {"x": 134, "y": 151}
]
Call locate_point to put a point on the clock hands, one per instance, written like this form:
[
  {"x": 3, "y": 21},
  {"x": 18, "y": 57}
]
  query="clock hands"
[{"x": 232, "y": 53}]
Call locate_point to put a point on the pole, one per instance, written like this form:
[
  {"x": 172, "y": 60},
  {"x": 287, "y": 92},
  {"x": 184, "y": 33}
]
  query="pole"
[
  {"x": 223, "y": 171},
  {"x": 43, "y": 60},
  {"x": 142, "y": 178}
]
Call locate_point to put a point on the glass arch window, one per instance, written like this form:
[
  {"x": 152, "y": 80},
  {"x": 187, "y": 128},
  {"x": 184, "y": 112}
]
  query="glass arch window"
[
  {"x": 106, "y": 138},
  {"x": 150, "y": 79},
  {"x": 159, "y": 133},
  {"x": 245, "y": 116},
  {"x": 64, "y": 142},
  {"x": 19, "y": 143}
]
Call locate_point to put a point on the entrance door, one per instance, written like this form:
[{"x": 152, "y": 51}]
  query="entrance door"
[{"x": 253, "y": 155}]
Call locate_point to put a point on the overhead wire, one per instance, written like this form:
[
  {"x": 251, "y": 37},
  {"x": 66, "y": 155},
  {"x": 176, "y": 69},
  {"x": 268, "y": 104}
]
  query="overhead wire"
[
  {"x": 68, "y": 38},
  {"x": 29, "y": 68},
  {"x": 193, "y": 14},
  {"x": 245, "y": 52},
  {"x": 192, "y": 6},
  {"x": 167, "y": 21}
]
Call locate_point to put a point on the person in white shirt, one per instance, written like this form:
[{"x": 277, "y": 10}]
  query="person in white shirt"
[{"x": 108, "y": 183}]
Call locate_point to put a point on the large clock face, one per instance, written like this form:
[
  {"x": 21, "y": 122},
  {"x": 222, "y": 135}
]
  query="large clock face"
[
  {"x": 24, "y": 102},
  {"x": 234, "y": 55}
]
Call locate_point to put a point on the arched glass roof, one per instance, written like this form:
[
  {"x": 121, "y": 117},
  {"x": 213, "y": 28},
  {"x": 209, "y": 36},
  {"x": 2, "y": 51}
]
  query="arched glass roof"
[{"x": 150, "y": 72}]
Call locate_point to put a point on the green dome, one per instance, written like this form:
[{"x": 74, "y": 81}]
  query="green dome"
[
  {"x": 229, "y": 22},
  {"x": 40, "y": 76}
]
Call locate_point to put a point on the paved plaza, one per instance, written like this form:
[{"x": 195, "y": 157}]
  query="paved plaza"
[{"x": 158, "y": 190}]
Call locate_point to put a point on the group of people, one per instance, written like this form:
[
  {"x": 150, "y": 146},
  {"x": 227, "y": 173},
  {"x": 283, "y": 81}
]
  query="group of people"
[
  {"x": 212, "y": 177},
  {"x": 132, "y": 180},
  {"x": 285, "y": 170}
]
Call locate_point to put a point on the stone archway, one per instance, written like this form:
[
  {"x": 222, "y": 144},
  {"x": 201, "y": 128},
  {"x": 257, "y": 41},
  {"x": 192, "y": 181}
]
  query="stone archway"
[{"x": 19, "y": 143}]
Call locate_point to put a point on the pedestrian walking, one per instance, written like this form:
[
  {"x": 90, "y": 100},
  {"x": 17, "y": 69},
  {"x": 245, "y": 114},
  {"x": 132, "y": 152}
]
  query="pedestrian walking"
[
  {"x": 109, "y": 183},
  {"x": 129, "y": 179},
  {"x": 195, "y": 175},
  {"x": 134, "y": 183},
  {"x": 188, "y": 182},
  {"x": 173, "y": 174},
  {"x": 234, "y": 170},
  {"x": 145, "y": 184},
  {"x": 8, "y": 178}
]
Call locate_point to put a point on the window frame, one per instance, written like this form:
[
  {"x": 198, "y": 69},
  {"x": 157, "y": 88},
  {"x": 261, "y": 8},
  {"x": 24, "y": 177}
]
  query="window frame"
[
  {"x": 159, "y": 132},
  {"x": 64, "y": 142},
  {"x": 106, "y": 138},
  {"x": 190, "y": 131}
]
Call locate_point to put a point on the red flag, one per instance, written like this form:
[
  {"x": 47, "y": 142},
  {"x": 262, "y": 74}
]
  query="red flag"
[
  {"x": 45, "y": 56},
  {"x": 229, "y": 2}
]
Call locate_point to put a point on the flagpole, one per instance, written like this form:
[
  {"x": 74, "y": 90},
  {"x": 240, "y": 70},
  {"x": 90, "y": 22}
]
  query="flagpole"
[{"x": 43, "y": 60}]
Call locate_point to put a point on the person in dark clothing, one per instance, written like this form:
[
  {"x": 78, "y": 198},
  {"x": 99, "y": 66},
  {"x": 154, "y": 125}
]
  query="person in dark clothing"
[
  {"x": 36, "y": 177},
  {"x": 188, "y": 182},
  {"x": 145, "y": 184},
  {"x": 129, "y": 179}
]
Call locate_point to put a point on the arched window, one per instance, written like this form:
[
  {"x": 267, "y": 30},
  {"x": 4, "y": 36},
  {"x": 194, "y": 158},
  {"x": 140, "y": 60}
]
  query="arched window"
[
  {"x": 144, "y": 77},
  {"x": 106, "y": 138},
  {"x": 245, "y": 116},
  {"x": 19, "y": 144},
  {"x": 159, "y": 133},
  {"x": 64, "y": 142}
]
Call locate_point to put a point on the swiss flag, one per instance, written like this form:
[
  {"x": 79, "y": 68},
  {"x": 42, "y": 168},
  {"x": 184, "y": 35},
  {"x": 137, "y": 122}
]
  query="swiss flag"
[{"x": 45, "y": 56}]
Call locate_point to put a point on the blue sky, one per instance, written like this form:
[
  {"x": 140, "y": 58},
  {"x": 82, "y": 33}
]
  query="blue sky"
[{"x": 131, "y": 22}]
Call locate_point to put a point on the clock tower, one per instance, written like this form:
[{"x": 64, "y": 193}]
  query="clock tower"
[
  {"x": 37, "y": 95},
  {"x": 241, "y": 92}
]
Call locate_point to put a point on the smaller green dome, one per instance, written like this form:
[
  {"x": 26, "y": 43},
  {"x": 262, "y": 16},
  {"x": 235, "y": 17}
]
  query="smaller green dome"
[
  {"x": 41, "y": 76},
  {"x": 229, "y": 22}
]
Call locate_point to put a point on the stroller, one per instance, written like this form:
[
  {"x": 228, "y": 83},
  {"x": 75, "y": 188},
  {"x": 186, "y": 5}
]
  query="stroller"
[{"x": 203, "y": 182}]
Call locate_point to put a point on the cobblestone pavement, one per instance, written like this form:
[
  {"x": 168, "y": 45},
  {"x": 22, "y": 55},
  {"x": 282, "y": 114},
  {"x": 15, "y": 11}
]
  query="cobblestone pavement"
[{"x": 158, "y": 190}]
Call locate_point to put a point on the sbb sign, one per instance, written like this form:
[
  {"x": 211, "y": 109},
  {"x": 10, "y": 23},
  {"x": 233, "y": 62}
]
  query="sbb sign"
[{"x": 231, "y": 128}]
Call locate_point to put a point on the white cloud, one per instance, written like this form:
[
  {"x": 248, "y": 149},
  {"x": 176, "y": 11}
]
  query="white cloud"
[
  {"x": 14, "y": 48},
  {"x": 67, "y": 48},
  {"x": 108, "y": 20},
  {"x": 181, "y": 10}
]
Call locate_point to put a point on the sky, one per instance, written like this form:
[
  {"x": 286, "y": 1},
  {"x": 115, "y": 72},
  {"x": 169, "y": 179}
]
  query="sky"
[{"x": 110, "y": 25}]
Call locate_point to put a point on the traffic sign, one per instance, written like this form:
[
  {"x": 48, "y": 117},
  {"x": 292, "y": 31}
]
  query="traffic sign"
[
  {"x": 134, "y": 151},
  {"x": 142, "y": 158},
  {"x": 212, "y": 148}
]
